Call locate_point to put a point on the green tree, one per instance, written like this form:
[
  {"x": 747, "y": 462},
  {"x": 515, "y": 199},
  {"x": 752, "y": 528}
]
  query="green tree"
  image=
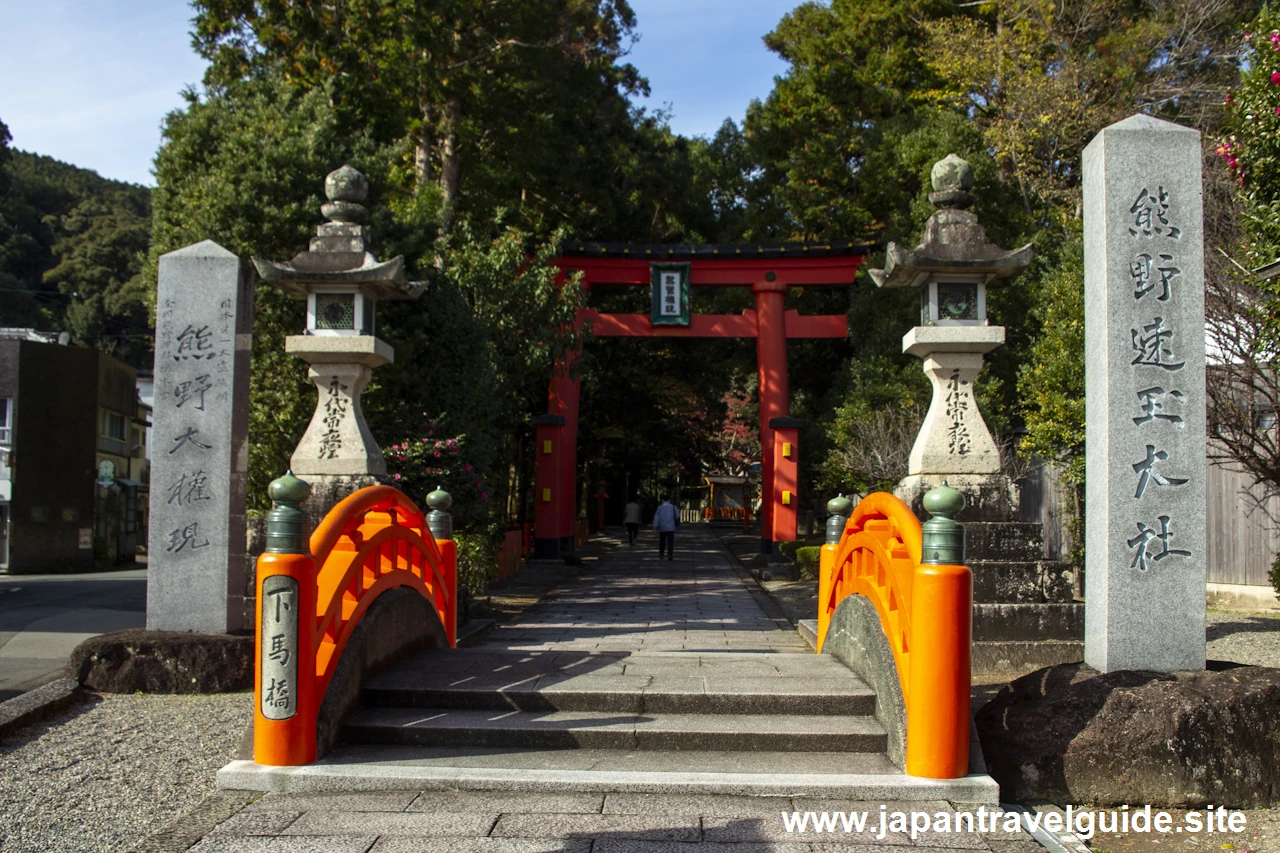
[
  {"x": 1051, "y": 380},
  {"x": 244, "y": 167},
  {"x": 854, "y": 64},
  {"x": 881, "y": 406},
  {"x": 245, "y": 171},
  {"x": 1041, "y": 78},
  {"x": 497, "y": 95}
]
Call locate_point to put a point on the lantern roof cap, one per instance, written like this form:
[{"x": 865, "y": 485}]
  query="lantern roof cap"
[
  {"x": 953, "y": 241},
  {"x": 340, "y": 251}
]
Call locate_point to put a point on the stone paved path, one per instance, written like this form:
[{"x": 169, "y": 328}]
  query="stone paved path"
[
  {"x": 694, "y": 619},
  {"x": 634, "y": 602},
  {"x": 503, "y": 822}
]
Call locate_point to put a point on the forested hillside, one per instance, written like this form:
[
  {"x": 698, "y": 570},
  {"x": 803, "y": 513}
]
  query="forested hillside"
[{"x": 72, "y": 247}]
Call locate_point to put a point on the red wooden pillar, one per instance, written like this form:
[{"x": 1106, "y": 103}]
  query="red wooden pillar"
[
  {"x": 771, "y": 356},
  {"x": 549, "y": 433},
  {"x": 602, "y": 492},
  {"x": 563, "y": 401},
  {"x": 786, "y": 477}
]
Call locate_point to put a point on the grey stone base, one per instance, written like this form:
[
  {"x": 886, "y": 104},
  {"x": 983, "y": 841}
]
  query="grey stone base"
[
  {"x": 474, "y": 632},
  {"x": 808, "y": 629},
  {"x": 1017, "y": 541},
  {"x": 39, "y": 704},
  {"x": 987, "y": 497},
  {"x": 328, "y": 490},
  {"x": 399, "y": 623},
  {"x": 1068, "y": 734},
  {"x": 856, "y": 639},
  {"x": 1038, "y": 582}
]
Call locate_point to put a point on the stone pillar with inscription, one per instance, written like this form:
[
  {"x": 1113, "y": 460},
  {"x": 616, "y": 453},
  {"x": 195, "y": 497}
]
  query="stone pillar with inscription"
[
  {"x": 196, "y": 576},
  {"x": 341, "y": 281},
  {"x": 1145, "y": 524}
]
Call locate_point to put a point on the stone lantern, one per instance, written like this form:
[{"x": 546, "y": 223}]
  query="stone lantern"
[
  {"x": 952, "y": 268},
  {"x": 341, "y": 281}
]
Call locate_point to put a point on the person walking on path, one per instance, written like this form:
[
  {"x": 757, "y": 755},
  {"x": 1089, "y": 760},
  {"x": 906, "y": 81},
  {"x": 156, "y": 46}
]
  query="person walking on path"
[
  {"x": 665, "y": 519},
  {"x": 631, "y": 518}
]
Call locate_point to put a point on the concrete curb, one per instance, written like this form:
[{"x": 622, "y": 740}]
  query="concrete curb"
[
  {"x": 39, "y": 704},
  {"x": 186, "y": 831},
  {"x": 1060, "y": 842},
  {"x": 323, "y": 777},
  {"x": 474, "y": 632}
]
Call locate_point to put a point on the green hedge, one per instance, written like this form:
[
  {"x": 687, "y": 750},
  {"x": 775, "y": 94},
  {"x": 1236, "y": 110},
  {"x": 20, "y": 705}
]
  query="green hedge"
[
  {"x": 790, "y": 548},
  {"x": 807, "y": 557}
]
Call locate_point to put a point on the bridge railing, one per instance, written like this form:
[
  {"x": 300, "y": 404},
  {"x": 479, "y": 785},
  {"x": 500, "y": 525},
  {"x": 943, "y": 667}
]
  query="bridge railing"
[
  {"x": 925, "y": 609},
  {"x": 313, "y": 593}
]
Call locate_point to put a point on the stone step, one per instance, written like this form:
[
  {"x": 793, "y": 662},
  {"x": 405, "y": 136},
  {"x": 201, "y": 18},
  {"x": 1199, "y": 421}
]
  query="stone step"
[
  {"x": 1028, "y": 622},
  {"x": 602, "y": 730},
  {"x": 846, "y": 776},
  {"x": 1011, "y": 659},
  {"x": 624, "y": 694},
  {"x": 672, "y": 683},
  {"x": 1017, "y": 541},
  {"x": 486, "y": 659},
  {"x": 1011, "y": 582}
]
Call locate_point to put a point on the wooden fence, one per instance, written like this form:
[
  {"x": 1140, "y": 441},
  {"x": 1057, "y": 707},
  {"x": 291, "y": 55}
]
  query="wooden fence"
[{"x": 1243, "y": 531}]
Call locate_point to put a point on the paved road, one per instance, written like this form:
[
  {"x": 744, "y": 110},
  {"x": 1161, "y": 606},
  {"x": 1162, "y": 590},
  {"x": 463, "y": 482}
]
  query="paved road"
[{"x": 44, "y": 617}]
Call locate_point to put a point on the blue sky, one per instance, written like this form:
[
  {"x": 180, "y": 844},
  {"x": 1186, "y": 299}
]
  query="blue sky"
[{"x": 88, "y": 81}]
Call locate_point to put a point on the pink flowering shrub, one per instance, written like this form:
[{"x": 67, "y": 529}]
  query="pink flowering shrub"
[
  {"x": 1251, "y": 146},
  {"x": 419, "y": 464}
]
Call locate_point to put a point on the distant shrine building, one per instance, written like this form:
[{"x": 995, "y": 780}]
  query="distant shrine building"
[{"x": 670, "y": 272}]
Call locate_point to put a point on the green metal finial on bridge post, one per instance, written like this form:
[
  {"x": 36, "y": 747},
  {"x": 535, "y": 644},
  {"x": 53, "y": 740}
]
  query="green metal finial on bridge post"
[
  {"x": 439, "y": 520},
  {"x": 942, "y": 537},
  {"x": 288, "y": 525},
  {"x": 838, "y": 510}
]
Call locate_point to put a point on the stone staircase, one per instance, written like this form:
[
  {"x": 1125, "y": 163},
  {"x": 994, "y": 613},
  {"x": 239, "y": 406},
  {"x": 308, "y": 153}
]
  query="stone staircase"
[
  {"x": 673, "y": 703},
  {"x": 1024, "y": 616},
  {"x": 664, "y": 722}
]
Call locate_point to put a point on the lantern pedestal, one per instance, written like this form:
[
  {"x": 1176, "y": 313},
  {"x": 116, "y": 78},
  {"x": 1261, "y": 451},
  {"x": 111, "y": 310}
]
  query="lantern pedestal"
[
  {"x": 338, "y": 445},
  {"x": 954, "y": 439},
  {"x": 954, "y": 443},
  {"x": 987, "y": 497}
]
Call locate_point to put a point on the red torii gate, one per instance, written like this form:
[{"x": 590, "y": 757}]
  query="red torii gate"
[{"x": 768, "y": 269}]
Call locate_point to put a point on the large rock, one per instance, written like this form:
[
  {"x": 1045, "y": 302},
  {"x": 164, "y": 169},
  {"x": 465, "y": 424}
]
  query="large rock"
[
  {"x": 1068, "y": 734},
  {"x": 163, "y": 662}
]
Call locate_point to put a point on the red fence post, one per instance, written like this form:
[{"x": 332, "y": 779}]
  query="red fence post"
[{"x": 786, "y": 469}]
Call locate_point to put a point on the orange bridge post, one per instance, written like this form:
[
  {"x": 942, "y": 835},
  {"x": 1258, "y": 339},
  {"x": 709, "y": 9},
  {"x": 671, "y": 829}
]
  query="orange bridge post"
[
  {"x": 314, "y": 591},
  {"x": 284, "y": 700},
  {"x": 924, "y": 596}
]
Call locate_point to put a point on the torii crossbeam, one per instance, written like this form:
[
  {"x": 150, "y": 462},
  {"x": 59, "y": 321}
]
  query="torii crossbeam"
[{"x": 768, "y": 269}]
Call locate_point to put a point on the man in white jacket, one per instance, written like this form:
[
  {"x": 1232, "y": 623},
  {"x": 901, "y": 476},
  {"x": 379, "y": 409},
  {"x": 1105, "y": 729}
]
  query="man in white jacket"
[
  {"x": 665, "y": 519},
  {"x": 631, "y": 518}
]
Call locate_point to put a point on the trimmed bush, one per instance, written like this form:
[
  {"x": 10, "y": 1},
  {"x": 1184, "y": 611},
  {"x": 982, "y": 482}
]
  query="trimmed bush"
[{"x": 807, "y": 557}]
